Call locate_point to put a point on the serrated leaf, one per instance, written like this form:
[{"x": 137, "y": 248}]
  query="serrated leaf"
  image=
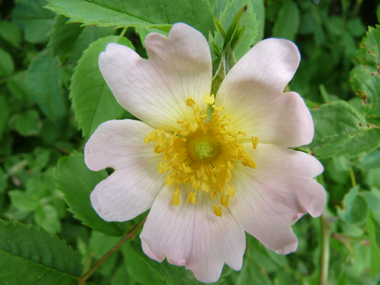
[
  {"x": 31, "y": 17},
  {"x": 92, "y": 100},
  {"x": 356, "y": 208},
  {"x": 341, "y": 130},
  {"x": 287, "y": 22},
  {"x": 196, "y": 13},
  {"x": 7, "y": 66},
  {"x": 43, "y": 84},
  {"x": 364, "y": 78},
  {"x": 70, "y": 40},
  {"x": 76, "y": 181},
  {"x": 29, "y": 255}
]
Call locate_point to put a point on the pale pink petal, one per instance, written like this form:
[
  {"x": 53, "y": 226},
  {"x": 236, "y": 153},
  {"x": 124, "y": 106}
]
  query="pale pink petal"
[
  {"x": 252, "y": 93},
  {"x": 192, "y": 235},
  {"x": 270, "y": 199},
  {"x": 131, "y": 189},
  {"x": 156, "y": 90}
]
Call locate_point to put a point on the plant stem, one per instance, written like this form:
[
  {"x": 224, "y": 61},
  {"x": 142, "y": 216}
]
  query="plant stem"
[
  {"x": 352, "y": 174},
  {"x": 123, "y": 32},
  {"x": 325, "y": 251},
  {"x": 130, "y": 234}
]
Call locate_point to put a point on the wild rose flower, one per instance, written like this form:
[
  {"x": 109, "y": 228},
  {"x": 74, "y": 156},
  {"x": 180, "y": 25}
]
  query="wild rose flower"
[{"x": 205, "y": 179}]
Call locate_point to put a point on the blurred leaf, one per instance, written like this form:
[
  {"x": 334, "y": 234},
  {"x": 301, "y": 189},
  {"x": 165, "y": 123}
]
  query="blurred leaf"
[
  {"x": 43, "y": 84},
  {"x": 287, "y": 22},
  {"x": 140, "y": 14},
  {"x": 375, "y": 251},
  {"x": 101, "y": 244},
  {"x": 170, "y": 273},
  {"x": 93, "y": 101},
  {"x": 47, "y": 217},
  {"x": 26, "y": 124},
  {"x": 252, "y": 271},
  {"x": 7, "y": 66},
  {"x": 371, "y": 160},
  {"x": 76, "y": 181},
  {"x": 373, "y": 178},
  {"x": 341, "y": 130},
  {"x": 17, "y": 86},
  {"x": 335, "y": 25},
  {"x": 29, "y": 255},
  {"x": 356, "y": 209},
  {"x": 11, "y": 33},
  {"x": 373, "y": 199},
  {"x": 31, "y": 17},
  {"x": 327, "y": 97},
  {"x": 356, "y": 27}
]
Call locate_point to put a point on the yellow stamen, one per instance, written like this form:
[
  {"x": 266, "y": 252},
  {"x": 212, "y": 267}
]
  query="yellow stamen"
[{"x": 201, "y": 154}]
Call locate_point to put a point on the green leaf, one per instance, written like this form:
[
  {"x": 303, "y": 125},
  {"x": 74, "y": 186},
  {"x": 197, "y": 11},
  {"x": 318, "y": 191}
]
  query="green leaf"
[
  {"x": 100, "y": 244},
  {"x": 26, "y": 124},
  {"x": 63, "y": 36},
  {"x": 196, "y": 13},
  {"x": 356, "y": 209},
  {"x": 17, "y": 86},
  {"x": 341, "y": 130},
  {"x": 364, "y": 78},
  {"x": 92, "y": 100},
  {"x": 373, "y": 199},
  {"x": 43, "y": 84},
  {"x": 11, "y": 33},
  {"x": 31, "y": 17},
  {"x": 253, "y": 32},
  {"x": 47, "y": 217},
  {"x": 375, "y": 251},
  {"x": 371, "y": 160},
  {"x": 140, "y": 267},
  {"x": 170, "y": 273},
  {"x": 7, "y": 66},
  {"x": 76, "y": 182},
  {"x": 70, "y": 40},
  {"x": 287, "y": 22},
  {"x": 29, "y": 255}
]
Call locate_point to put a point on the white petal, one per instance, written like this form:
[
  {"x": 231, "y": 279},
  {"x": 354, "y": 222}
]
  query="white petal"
[
  {"x": 131, "y": 189},
  {"x": 192, "y": 235},
  {"x": 252, "y": 93},
  {"x": 156, "y": 90},
  {"x": 270, "y": 199}
]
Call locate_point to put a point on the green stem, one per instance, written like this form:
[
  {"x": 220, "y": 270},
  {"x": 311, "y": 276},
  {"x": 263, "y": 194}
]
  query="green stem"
[
  {"x": 325, "y": 251},
  {"x": 352, "y": 174},
  {"x": 123, "y": 32},
  {"x": 130, "y": 234}
]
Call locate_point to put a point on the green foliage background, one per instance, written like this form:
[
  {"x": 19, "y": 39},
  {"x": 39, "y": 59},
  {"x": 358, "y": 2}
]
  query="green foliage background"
[{"x": 52, "y": 98}]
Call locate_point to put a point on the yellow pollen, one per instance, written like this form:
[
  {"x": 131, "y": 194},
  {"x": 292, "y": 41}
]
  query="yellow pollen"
[{"x": 200, "y": 155}]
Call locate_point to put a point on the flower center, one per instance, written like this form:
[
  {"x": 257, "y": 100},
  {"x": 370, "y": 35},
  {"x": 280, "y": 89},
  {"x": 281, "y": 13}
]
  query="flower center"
[
  {"x": 201, "y": 153},
  {"x": 203, "y": 148}
]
